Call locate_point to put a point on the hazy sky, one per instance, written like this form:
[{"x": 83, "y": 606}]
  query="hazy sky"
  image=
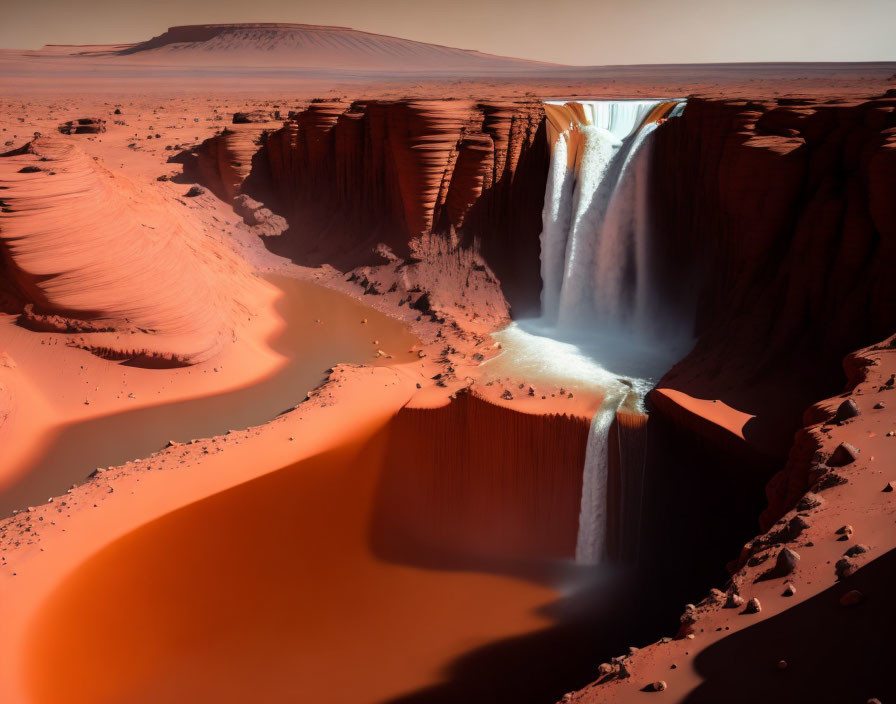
[{"x": 586, "y": 32}]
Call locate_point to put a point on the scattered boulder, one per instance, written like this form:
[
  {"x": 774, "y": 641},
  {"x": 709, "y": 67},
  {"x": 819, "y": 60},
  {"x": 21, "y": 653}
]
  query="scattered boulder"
[
  {"x": 829, "y": 480},
  {"x": 734, "y": 601},
  {"x": 658, "y": 686},
  {"x": 789, "y": 589},
  {"x": 891, "y": 486},
  {"x": 809, "y": 501},
  {"x": 753, "y": 606},
  {"x": 846, "y": 410},
  {"x": 857, "y": 549},
  {"x": 29, "y": 169},
  {"x": 785, "y": 564},
  {"x": 844, "y": 454},
  {"x": 605, "y": 669},
  {"x": 845, "y": 567},
  {"x": 794, "y": 528},
  {"x": 195, "y": 191},
  {"x": 845, "y": 532}
]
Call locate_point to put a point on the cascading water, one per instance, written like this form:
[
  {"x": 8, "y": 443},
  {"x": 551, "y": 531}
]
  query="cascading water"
[{"x": 601, "y": 319}]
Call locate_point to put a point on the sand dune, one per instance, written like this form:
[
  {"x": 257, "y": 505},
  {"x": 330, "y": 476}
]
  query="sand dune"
[{"x": 123, "y": 272}]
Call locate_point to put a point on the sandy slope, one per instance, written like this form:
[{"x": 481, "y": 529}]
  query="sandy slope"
[{"x": 116, "y": 265}]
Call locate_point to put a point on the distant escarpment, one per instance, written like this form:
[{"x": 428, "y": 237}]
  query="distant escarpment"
[{"x": 263, "y": 44}]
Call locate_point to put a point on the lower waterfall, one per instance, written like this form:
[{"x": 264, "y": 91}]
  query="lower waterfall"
[{"x": 591, "y": 543}]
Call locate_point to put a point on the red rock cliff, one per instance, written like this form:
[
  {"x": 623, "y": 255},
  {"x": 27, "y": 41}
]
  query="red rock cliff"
[
  {"x": 784, "y": 213},
  {"x": 351, "y": 176}
]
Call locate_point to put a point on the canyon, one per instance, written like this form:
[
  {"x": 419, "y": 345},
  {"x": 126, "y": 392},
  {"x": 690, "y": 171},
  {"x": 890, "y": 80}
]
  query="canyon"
[{"x": 574, "y": 390}]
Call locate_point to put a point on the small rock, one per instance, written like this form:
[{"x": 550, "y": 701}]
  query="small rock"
[
  {"x": 809, "y": 501},
  {"x": 846, "y": 410},
  {"x": 753, "y": 606},
  {"x": 844, "y": 454},
  {"x": 782, "y": 664},
  {"x": 786, "y": 563},
  {"x": 845, "y": 530},
  {"x": 830, "y": 480},
  {"x": 605, "y": 669},
  {"x": 789, "y": 589},
  {"x": 507, "y": 396},
  {"x": 658, "y": 686},
  {"x": 195, "y": 191},
  {"x": 845, "y": 567},
  {"x": 879, "y": 405},
  {"x": 734, "y": 601},
  {"x": 857, "y": 549},
  {"x": 891, "y": 486},
  {"x": 851, "y": 598}
]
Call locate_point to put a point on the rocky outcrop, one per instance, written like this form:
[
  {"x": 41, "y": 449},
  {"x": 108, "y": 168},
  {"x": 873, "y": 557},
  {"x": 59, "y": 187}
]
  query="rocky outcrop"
[
  {"x": 245, "y": 118},
  {"x": 225, "y": 161},
  {"x": 84, "y": 125}
]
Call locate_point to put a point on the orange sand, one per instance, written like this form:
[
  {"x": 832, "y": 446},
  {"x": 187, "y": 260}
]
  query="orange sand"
[{"x": 267, "y": 592}]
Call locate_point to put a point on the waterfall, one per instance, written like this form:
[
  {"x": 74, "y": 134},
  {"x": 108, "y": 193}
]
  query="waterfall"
[
  {"x": 596, "y": 265},
  {"x": 604, "y": 329},
  {"x": 591, "y": 543}
]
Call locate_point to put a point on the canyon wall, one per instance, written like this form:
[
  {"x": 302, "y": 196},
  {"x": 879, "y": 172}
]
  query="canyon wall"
[
  {"x": 352, "y": 176},
  {"x": 473, "y": 482},
  {"x": 784, "y": 213},
  {"x": 773, "y": 218}
]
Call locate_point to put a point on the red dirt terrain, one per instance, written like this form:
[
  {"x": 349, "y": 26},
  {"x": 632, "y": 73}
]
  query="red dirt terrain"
[{"x": 401, "y": 527}]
